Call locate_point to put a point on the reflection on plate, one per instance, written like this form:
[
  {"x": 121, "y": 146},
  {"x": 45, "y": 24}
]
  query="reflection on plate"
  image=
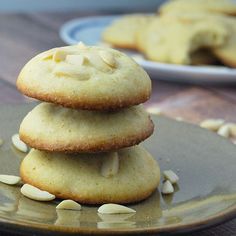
[
  {"x": 205, "y": 195},
  {"x": 89, "y": 31}
]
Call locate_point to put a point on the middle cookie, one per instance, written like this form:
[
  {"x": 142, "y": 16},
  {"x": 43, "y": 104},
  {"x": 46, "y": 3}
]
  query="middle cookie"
[{"x": 53, "y": 128}]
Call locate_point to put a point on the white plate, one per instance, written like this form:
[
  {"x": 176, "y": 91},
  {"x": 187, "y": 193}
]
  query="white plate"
[{"x": 89, "y": 31}]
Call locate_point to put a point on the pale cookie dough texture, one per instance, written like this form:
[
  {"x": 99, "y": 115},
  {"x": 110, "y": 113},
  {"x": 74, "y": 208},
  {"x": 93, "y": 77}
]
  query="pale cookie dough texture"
[
  {"x": 122, "y": 32},
  {"x": 227, "y": 52},
  {"x": 78, "y": 177},
  {"x": 212, "y": 6},
  {"x": 174, "y": 39},
  {"x": 85, "y": 77},
  {"x": 55, "y": 128}
]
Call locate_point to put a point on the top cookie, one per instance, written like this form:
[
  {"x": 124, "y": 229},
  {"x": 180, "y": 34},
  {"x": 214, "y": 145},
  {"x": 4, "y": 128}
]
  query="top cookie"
[
  {"x": 217, "y": 6},
  {"x": 84, "y": 77}
]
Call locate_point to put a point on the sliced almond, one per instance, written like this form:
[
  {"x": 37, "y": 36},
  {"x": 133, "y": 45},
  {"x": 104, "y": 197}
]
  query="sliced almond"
[
  {"x": 212, "y": 124},
  {"x": 154, "y": 110},
  {"x": 111, "y": 208},
  {"x": 18, "y": 144},
  {"x": 81, "y": 45},
  {"x": 110, "y": 165},
  {"x": 171, "y": 176},
  {"x": 48, "y": 54},
  {"x": 70, "y": 71},
  {"x": 69, "y": 205},
  {"x": 36, "y": 194},
  {"x": 224, "y": 131},
  {"x": 167, "y": 187},
  {"x": 77, "y": 60},
  {"x": 59, "y": 55},
  {"x": 10, "y": 179},
  {"x": 179, "y": 118},
  {"x": 108, "y": 58}
]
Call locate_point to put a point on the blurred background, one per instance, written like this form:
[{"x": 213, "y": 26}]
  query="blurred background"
[{"x": 81, "y": 5}]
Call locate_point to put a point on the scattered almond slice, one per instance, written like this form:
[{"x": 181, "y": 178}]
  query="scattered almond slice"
[
  {"x": 111, "y": 208},
  {"x": 212, "y": 124},
  {"x": 59, "y": 55},
  {"x": 110, "y": 165},
  {"x": 167, "y": 187},
  {"x": 154, "y": 110},
  {"x": 108, "y": 58},
  {"x": 81, "y": 45},
  {"x": 35, "y": 193},
  {"x": 77, "y": 60},
  {"x": 171, "y": 176},
  {"x": 179, "y": 118},
  {"x": 18, "y": 144},
  {"x": 10, "y": 179},
  {"x": 69, "y": 205},
  {"x": 224, "y": 131}
]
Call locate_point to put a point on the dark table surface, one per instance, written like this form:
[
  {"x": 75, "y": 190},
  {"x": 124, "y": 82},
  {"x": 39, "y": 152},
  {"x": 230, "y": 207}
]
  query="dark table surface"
[{"x": 24, "y": 35}]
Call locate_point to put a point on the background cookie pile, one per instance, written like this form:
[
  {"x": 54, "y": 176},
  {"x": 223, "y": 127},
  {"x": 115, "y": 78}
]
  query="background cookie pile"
[
  {"x": 84, "y": 135},
  {"x": 183, "y": 32}
]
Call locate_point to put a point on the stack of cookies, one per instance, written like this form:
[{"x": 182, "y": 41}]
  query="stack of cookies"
[{"x": 84, "y": 134}]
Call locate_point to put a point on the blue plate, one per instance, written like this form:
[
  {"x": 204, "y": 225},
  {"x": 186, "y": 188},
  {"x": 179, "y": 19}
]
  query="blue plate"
[{"x": 89, "y": 31}]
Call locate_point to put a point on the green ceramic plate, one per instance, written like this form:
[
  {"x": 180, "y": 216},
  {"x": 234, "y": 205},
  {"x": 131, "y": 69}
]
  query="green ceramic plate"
[{"x": 205, "y": 195}]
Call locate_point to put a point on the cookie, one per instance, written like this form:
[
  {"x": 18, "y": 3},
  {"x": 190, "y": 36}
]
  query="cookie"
[
  {"x": 227, "y": 52},
  {"x": 203, "y": 57},
  {"x": 140, "y": 38},
  {"x": 212, "y": 6},
  {"x": 80, "y": 177},
  {"x": 84, "y": 77},
  {"x": 173, "y": 40},
  {"x": 54, "y": 128},
  {"x": 122, "y": 32}
]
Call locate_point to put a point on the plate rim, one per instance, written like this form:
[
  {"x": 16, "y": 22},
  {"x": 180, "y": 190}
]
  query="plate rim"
[
  {"x": 215, "y": 220},
  {"x": 211, "y": 71}
]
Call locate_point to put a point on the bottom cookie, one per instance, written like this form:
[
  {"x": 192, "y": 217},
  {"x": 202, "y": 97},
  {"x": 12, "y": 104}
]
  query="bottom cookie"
[{"x": 81, "y": 177}]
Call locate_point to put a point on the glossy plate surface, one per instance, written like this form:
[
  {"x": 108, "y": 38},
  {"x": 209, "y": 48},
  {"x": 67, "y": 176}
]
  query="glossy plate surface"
[
  {"x": 89, "y": 31},
  {"x": 205, "y": 195}
]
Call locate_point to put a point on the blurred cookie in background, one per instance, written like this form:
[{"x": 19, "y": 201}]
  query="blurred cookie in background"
[
  {"x": 122, "y": 32},
  {"x": 171, "y": 40},
  {"x": 227, "y": 7},
  {"x": 204, "y": 57},
  {"x": 226, "y": 53},
  {"x": 185, "y": 32}
]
